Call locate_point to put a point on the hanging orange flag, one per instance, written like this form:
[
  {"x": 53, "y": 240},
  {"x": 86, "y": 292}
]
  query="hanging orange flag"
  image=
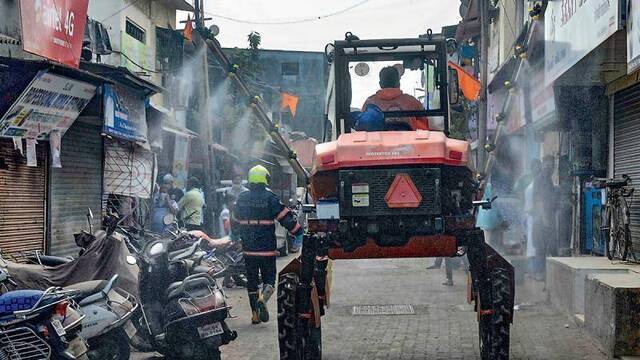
[
  {"x": 289, "y": 101},
  {"x": 468, "y": 83},
  {"x": 188, "y": 29}
]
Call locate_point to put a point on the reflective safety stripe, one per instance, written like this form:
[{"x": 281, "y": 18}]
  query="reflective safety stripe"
[
  {"x": 295, "y": 229},
  {"x": 282, "y": 214},
  {"x": 322, "y": 258},
  {"x": 261, "y": 253},
  {"x": 255, "y": 222}
]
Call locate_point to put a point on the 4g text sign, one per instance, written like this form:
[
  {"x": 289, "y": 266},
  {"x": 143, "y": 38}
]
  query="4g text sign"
[{"x": 54, "y": 29}]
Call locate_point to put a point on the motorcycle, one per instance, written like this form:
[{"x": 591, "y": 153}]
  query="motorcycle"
[
  {"x": 233, "y": 259},
  {"x": 36, "y": 324},
  {"x": 184, "y": 309}
]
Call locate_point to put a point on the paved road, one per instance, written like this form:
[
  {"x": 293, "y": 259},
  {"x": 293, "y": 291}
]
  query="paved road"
[{"x": 443, "y": 326}]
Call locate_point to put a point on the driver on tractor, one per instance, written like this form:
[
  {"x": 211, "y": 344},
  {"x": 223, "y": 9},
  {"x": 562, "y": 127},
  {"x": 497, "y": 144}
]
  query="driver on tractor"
[{"x": 391, "y": 98}]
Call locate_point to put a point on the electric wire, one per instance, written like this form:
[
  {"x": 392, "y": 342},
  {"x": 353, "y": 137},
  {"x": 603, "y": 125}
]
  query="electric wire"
[
  {"x": 291, "y": 21},
  {"x": 121, "y": 10}
]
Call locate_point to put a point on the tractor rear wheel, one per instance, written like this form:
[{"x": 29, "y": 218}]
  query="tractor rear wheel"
[
  {"x": 494, "y": 327},
  {"x": 293, "y": 344}
]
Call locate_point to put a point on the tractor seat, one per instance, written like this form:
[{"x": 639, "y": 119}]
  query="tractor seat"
[
  {"x": 176, "y": 289},
  {"x": 88, "y": 288}
]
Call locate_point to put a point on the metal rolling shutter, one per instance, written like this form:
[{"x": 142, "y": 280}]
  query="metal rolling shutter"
[
  {"x": 22, "y": 200},
  {"x": 627, "y": 149},
  {"x": 76, "y": 186}
]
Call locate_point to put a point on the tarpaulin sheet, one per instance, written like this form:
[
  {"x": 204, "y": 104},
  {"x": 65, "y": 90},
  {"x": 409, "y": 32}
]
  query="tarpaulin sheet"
[{"x": 102, "y": 259}]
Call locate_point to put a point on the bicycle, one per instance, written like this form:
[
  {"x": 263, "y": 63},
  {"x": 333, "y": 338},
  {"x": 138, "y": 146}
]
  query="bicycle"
[{"x": 617, "y": 234}]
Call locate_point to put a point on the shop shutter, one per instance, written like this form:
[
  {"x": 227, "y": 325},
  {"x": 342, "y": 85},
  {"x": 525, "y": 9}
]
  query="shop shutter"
[
  {"x": 22, "y": 200},
  {"x": 76, "y": 186},
  {"x": 627, "y": 149}
]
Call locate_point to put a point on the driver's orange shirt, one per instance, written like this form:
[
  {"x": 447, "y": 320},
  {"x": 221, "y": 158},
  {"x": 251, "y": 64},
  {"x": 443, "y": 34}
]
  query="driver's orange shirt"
[{"x": 393, "y": 99}]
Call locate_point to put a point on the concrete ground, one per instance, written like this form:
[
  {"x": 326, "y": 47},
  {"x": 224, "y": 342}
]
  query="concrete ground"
[{"x": 443, "y": 327}]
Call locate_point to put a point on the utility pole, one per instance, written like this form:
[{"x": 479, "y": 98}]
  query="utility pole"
[
  {"x": 204, "y": 117},
  {"x": 482, "y": 105}
]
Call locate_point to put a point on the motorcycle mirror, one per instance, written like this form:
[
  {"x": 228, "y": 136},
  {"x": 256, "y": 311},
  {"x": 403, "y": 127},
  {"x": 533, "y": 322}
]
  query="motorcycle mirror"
[
  {"x": 169, "y": 219},
  {"x": 131, "y": 260}
]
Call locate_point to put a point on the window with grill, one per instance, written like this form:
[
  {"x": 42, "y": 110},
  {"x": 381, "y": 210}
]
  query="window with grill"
[
  {"x": 135, "y": 31},
  {"x": 290, "y": 68}
]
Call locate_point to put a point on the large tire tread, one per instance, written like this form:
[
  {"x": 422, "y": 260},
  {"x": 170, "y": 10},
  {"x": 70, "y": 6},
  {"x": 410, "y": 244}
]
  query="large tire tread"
[
  {"x": 294, "y": 346},
  {"x": 495, "y": 329}
]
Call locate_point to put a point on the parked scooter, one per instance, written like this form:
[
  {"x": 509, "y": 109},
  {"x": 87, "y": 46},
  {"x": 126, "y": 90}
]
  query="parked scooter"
[
  {"x": 37, "y": 324},
  {"x": 107, "y": 326},
  {"x": 184, "y": 308}
]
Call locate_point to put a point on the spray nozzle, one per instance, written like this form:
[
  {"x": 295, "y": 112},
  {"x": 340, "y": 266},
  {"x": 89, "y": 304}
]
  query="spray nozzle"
[
  {"x": 520, "y": 51},
  {"x": 489, "y": 147},
  {"x": 536, "y": 11},
  {"x": 486, "y": 203}
]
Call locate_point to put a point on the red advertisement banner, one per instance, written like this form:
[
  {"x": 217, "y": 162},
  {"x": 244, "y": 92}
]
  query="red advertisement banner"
[{"x": 54, "y": 28}]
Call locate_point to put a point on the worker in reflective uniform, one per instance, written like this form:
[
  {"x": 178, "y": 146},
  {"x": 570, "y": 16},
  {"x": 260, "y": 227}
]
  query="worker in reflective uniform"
[{"x": 253, "y": 221}]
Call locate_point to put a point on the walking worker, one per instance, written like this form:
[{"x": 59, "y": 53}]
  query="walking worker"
[{"x": 253, "y": 222}]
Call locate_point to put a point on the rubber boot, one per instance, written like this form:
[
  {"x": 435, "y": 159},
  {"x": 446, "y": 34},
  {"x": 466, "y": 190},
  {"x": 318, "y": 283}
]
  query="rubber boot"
[
  {"x": 253, "y": 302},
  {"x": 266, "y": 293}
]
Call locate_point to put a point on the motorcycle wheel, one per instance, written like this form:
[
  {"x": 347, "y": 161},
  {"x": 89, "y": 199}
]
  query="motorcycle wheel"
[
  {"x": 240, "y": 280},
  {"x": 205, "y": 353},
  {"x": 112, "y": 346},
  {"x": 284, "y": 250}
]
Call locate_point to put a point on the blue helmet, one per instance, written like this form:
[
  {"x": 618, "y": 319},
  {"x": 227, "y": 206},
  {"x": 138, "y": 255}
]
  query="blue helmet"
[{"x": 371, "y": 119}]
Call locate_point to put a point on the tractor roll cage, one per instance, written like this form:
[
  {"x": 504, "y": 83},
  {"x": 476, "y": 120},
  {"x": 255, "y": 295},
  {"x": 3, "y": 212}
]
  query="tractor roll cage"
[{"x": 346, "y": 51}]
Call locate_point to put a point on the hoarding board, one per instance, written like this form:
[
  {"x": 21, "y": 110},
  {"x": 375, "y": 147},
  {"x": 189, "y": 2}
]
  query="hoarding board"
[
  {"x": 633, "y": 36},
  {"x": 50, "y": 102},
  {"x": 573, "y": 29},
  {"x": 54, "y": 29}
]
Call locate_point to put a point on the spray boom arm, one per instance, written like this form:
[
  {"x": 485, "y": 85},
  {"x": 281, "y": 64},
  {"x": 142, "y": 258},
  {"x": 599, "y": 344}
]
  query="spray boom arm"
[{"x": 258, "y": 109}]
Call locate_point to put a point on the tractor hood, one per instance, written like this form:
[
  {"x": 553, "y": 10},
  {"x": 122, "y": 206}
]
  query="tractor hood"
[{"x": 383, "y": 148}]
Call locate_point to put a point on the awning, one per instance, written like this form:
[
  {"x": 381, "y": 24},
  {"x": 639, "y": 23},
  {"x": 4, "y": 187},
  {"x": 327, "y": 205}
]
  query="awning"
[
  {"x": 507, "y": 69},
  {"x": 28, "y": 68},
  {"x": 123, "y": 76}
]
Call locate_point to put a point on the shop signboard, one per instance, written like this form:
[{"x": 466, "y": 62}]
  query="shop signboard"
[
  {"x": 180, "y": 166},
  {"x": 573, "y": 29},
  {"x": 542, "y": 98},
  {"x": 54, "y": 29},
  {"x": 633, "y": 36},
  {"x": 124, "y": 113},
  {"x": 50, "y": 102}
]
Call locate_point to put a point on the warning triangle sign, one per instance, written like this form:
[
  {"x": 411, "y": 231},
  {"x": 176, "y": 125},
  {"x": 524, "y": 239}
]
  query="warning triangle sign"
[{"x": 403, "y": 193}]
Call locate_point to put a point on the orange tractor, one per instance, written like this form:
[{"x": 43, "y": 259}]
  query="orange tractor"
[
  {"x": 395, "y": 192},
  {"x": 399, "y": 188}
]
